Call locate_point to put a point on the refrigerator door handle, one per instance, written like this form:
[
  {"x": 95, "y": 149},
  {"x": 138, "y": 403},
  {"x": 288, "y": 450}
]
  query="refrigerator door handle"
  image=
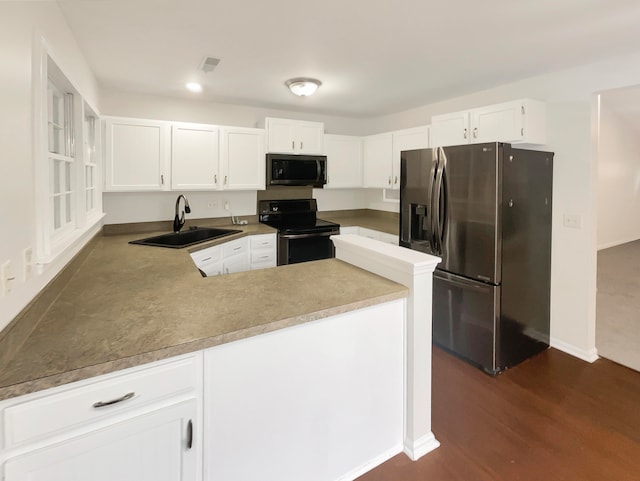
[
  {"x": 435, "y": 200},
  {"x": 429, "y": 219}
]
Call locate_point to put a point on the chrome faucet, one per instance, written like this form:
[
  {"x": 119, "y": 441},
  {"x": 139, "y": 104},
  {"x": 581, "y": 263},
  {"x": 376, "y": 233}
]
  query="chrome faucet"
[{"x": 178, "y": 220}]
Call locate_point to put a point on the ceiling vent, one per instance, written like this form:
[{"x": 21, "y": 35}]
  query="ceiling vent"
[{"x": 208, "y": 64}]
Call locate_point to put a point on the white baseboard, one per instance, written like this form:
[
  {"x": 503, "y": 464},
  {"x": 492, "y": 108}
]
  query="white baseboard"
[
  {"x": 368, "y": 466},
  {"x": 590, "y": 355},
  {"x": 617, "y": 243},
  {"x": 416, "y": 449}
]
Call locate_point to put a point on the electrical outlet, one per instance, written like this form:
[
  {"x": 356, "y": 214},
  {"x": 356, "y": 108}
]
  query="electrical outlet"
[
  {"x": 28, "y": 263},
  {"x": 573, "y": 221},
  {"x": 226, "y": 205},
  {"x": 212, "y": 204},
  {"x": 7, "y": 278}
]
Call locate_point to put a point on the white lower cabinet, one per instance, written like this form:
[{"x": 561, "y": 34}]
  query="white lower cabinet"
[
  {"x": 263, "y": 251},
  {"x": 154, "y": 447},
  {"x": 246, "y": 253},
  {"x": 138, "y": 424}
]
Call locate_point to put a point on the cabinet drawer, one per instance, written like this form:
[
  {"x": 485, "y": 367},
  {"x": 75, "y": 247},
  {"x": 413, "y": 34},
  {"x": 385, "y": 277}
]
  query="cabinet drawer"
[
  {"x": 71, "y": 407},
  {"x": 264, "y": 256},
  {"x": 235, "y": 247},
  {"x": 263, "y": 241},
  {"x": 206, "y": 256}
]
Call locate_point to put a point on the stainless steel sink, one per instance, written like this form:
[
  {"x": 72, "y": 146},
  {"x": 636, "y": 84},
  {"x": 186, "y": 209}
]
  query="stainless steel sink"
[{"x": 186, "y": 238}]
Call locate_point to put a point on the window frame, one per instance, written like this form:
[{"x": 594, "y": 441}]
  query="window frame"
[{"x": 77, "y": 223}]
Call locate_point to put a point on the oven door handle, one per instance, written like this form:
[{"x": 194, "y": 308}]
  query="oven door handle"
[{"x": 305, "y": 236}]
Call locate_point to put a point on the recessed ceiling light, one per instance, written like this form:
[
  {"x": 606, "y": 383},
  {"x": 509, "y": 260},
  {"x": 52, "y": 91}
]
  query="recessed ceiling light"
[
  {"x": 194, "y": 87},
  {"x": 303, "y": 87}
]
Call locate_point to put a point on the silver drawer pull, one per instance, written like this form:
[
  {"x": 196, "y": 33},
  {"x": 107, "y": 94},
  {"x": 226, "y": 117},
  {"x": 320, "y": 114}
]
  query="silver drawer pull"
[
  {"x": 236, "y": 248},
  {"x": 101, "y": 404},
  {"x": 263, "y": 257},
  {"x": 206, "y": 259}
]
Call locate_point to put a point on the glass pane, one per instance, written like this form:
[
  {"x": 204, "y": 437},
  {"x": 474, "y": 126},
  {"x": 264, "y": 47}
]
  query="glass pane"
[
  {"x": 56, "y": 212},
  {"x": 67, "y": 202},
  {"x": 67, "y": 177},
  {"x": 56, "y": 176}
]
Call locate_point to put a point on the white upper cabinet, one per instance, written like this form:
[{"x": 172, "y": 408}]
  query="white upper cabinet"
[
  {"x": 136, "y": 155},
  {"x": 382, "y": 155},
  {"x": 407, "y": 139},
  {"x": 344, "y": 161},
  {"x": 294, "y": 136},
  {"x": 378, "y": 165},
  {"x": 519, "y": 121},
  {"x": 194, "y": 157},
  {"x": 143, "y": 155},
  {"x": 242, "y": 158},
  {"x": 450, "y": 129}
]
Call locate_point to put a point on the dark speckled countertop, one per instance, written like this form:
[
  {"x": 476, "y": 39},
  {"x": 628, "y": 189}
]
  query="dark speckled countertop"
[{"x": 126, "y": 305}]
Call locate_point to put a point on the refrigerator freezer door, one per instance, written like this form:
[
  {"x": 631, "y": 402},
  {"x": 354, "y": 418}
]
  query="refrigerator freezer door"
[
  {"x": 417, "y": 172},
  {"x": 465, "y": 317},
  {"x": 471, "y": 239}
]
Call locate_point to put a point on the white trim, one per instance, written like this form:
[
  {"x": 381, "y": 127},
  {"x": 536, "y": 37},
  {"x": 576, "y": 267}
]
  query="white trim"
[
  {"x": 418, "y": 448},
  {"x": 75, "y": 241},
  {"x": 373, "y": 463},
  {"x": 590, "y": 355}
]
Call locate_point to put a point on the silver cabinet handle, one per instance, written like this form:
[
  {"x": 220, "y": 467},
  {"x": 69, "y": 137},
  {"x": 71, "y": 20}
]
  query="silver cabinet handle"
[
  {"x": 293, "y": 145},
  {"x": 395, "y": 181},
  {"x": 475, "y": 133},
  {"x": 206, "y": 259},
  {"x": 227, "y": 270},
  {"x": 389, "y": 180},
  {"x": 225, "y": 180},
  {"x": 101, "y": 404},
  {"x": 301, "y": 145},
  {"x": 162, "y": 179},
  {"x": 237, "y": 248},
  {"x": 215, "y": 179},
  {"x": 465, "y": 133}
]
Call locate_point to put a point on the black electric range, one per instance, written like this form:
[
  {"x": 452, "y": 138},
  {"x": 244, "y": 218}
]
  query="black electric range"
[{"x": 301, "y": 235}]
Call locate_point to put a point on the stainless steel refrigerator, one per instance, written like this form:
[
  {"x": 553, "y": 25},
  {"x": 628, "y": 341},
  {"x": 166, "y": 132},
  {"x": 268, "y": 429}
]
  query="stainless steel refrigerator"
[{"x": 485, "y": 209}]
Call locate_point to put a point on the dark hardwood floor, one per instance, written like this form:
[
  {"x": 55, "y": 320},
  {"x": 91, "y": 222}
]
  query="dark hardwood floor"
[{"x": 552, "y": 418}]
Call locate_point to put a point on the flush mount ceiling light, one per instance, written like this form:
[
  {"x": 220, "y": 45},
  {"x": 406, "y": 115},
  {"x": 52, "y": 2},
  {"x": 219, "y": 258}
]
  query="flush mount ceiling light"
[
  {"x": 194, "y": 87},
  {"x": 303, "y": 87}
]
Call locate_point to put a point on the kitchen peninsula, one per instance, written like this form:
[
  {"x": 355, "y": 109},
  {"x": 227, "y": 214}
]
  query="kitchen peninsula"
[{"x": 321, "y": 343}]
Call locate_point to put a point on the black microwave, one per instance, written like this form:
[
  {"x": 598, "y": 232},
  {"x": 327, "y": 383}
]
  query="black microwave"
[{"x": 283, "y": 169}]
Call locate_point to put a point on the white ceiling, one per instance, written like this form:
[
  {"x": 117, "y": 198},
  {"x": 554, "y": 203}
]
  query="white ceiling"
[{"x": 373, "y": 56}]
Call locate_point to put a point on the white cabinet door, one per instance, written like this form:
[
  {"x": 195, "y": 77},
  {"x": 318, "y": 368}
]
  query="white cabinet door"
[
  {"x": 280, "y": 136},
  {"x": 158, "y": 446},
  {"x": 136, "y": 155},
  {"x": 407, "y": 139},
  {"x": 517, "y": 121},
  {"x": 242, "y": 158},
  {"x": 344, "y": 161},
  {"x": 378, "y": 157},
  {"x": 294, "y": 136},
  {"x": 310, "y": 136},
  {"x": 194, "y": 157},
  {"x": 450, "y": 129},
  {"x": 500, "y": 122},
  {"x": 235, "y": 256}
]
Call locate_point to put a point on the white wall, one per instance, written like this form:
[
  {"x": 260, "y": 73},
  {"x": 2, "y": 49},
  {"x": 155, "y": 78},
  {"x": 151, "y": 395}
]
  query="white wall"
[
  {"x": 20, "y": 23},
  {"x": 618, "y": 180}
]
